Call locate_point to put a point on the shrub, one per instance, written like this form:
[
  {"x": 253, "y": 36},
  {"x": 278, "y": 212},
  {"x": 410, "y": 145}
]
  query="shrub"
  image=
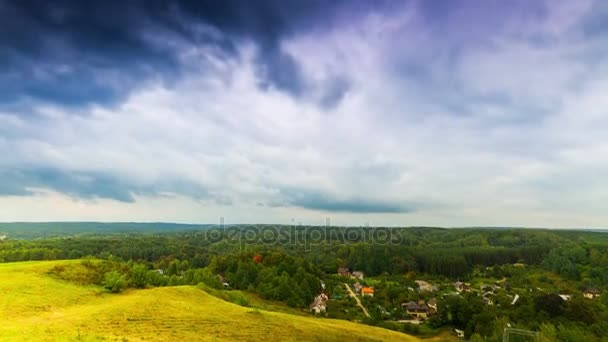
[
  {"x": 114, "y": 282},
  {"x": 139, "y": 276}
]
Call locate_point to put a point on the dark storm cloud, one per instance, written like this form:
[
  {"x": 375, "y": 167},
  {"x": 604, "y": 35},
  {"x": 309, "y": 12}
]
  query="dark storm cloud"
[
  {"x": 89, "y": 185},
  {"x": 78, "y": 184},
  {"x": 317, "y": 200},
  {"x": 82, "y": 52}
]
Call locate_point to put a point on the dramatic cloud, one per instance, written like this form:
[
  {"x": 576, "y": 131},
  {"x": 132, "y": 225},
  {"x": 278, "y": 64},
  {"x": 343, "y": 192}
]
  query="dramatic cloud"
[
  {"x": 99, "y": 52},
  {"x": 398, "y": 113}
]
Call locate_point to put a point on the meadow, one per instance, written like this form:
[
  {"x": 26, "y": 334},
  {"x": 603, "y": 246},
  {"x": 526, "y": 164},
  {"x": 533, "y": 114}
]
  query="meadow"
[{"x": 35, "y": 306}]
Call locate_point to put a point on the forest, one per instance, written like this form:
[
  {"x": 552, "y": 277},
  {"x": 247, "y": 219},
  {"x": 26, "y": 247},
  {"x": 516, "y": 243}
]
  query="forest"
[{"x": 294, "y": 264}]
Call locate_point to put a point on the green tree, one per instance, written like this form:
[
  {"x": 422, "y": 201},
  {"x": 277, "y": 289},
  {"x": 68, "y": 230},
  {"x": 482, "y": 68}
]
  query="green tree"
[
  {"x": 114, "y": 282},
  {"x": 476, "y": 338},
  {"x": 548, "y": 333},
  {"x": 139, "y": 276}
]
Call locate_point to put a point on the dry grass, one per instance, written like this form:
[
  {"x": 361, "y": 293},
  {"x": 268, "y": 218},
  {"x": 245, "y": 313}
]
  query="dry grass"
[{"x": 37, "y": 307}]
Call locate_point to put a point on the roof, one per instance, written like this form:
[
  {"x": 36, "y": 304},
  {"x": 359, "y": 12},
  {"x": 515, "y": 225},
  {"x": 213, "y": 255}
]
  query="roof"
[
  {"x": 367, "y": 290},
  {"x": 343, "y": 270},
  {"x": 593, "y": 291},
  {"x": 413, "y": 306}
]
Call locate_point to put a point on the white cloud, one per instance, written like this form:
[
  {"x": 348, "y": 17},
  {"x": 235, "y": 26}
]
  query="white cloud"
[{"x": 415, "y": 127}]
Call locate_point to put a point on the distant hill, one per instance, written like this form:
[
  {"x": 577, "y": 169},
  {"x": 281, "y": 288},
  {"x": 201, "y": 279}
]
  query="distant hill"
[
  {"x": 36, "y": 307},
  {"x": 35, "y": 230},
  {"x": 30, "y": 230}
]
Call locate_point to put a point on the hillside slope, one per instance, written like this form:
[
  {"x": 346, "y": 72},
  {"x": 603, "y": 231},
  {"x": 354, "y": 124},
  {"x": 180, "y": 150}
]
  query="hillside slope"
[{"x": 35, "y": 306}]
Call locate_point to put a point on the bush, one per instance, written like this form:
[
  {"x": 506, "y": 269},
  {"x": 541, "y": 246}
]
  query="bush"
[
  {"x": 85, "y": 273},
  {"x": 139, "y": 276},
  {"x": 114, "y": 282}
]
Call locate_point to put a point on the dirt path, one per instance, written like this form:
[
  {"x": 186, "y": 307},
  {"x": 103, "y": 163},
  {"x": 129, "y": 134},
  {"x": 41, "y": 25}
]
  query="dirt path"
[{"x": 352, "y": 294}]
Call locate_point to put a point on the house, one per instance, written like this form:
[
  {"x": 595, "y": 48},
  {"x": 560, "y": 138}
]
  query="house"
[
  {"x": 367, "y": 292},
  {"x": 357, "y": 275},
  {"x": 319, "y": 305},
  {"x": 225, "y": 284},
  {"x": 432, "y": 304},
  {"x": 565, "y": 297},
  {"x": 159, "y": 271},
  {"x": 461, "y": 287},
  {"x": 459, "y": 333},
  {"x": 343, "y": 271},
  {"x": 591, "y": 293},
  {"x": 417, "y": 310},
  {"x": 357, "y": 287},
  {"x": 425, "y": 286}
]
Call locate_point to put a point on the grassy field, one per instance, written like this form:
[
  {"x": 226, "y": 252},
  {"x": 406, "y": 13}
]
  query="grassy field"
[{"x": 36, "y": 307}]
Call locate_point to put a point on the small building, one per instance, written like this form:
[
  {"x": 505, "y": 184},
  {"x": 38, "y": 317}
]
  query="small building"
[
  {"x": 462, "y": 287},
  {"x": 425, "y": 286},
  {"x": 591, "y": 293},
  {"x": 367, "y": 292},
  {"x": 565, "y": 297},
  {"x": 417, "y": 310},
  {"x": 319, "y": 305},
  {"x": 357, "y": 275},
  {"x": 432, "y": 304},
  {"x": 459, "y": 333},
  {"x": 357, "y": 287},
  {"x": 343, "y": 271}
]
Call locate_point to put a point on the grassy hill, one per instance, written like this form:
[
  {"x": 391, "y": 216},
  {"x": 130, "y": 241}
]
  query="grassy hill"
[{"x": 35, "y": 306}]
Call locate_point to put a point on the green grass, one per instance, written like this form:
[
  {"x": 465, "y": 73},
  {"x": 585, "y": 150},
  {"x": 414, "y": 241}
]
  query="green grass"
[{"x": 37, "y": 307}]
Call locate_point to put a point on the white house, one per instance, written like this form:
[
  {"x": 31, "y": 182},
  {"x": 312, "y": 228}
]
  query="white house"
[
  {"x": 357, "y": 275},
  {"x": 319, "y": 305},
  {"x": 591, "y": 293}
]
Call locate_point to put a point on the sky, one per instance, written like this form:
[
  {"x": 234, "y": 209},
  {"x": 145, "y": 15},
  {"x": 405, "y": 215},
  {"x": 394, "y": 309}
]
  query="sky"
[{"x": 395, "y": 113}]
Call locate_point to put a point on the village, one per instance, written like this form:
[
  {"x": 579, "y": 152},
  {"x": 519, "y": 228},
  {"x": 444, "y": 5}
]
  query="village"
[{"x": 349, "y": 294}]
